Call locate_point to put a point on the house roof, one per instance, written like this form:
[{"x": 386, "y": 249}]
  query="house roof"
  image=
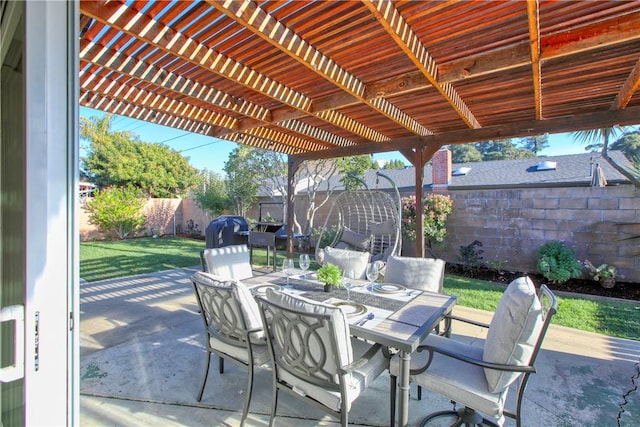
[
  {"x": 324, "y": 79},
  {"x": 571, "y": 170}
]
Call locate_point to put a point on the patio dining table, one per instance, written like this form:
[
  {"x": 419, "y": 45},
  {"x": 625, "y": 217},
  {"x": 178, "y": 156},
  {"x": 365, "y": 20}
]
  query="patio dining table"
[{"x": 401, "y": 318}]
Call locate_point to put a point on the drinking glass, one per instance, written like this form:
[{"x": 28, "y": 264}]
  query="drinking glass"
[
  {"x": 347, "y": 281},
  {"x": 304, "y": 262},
  {"x": 288, "y": 268},
  {"x": 372, "y": 273}
]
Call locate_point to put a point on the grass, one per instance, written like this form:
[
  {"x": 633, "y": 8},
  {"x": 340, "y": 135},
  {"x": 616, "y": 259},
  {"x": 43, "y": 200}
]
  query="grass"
[{"x": 105, "y": 260}]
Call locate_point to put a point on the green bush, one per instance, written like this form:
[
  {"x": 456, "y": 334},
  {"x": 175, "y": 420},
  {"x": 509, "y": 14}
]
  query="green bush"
[
  {"x": 558, "y": 263},
  {"x": 117, "y": 211},
  {"x": 470, "y": 256}
]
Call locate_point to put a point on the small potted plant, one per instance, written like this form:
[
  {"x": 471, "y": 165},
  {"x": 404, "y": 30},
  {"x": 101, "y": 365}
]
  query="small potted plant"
[
  {"x": 605, "y": 274},
  {"x": 330, "y": 275}
]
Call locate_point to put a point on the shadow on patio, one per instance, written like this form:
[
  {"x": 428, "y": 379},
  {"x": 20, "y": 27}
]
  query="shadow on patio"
[{"x": 142, "y": 360}]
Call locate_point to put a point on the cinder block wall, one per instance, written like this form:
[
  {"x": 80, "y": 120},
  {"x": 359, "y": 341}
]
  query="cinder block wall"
[{"x": 512, "y": 224}]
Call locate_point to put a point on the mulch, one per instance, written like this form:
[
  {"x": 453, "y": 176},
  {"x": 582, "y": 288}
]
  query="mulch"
[{"x": 623, "y": 290}]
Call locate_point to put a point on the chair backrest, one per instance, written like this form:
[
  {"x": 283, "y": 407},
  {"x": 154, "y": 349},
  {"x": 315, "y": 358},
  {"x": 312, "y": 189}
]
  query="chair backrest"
[
  {"x": 231, "y": 262},
  {"x": 426, "y": 274},
  {"x": 309, "y": 341},
  {"x": 228, "y": 310},
  {"x": 517, "y": 330}
]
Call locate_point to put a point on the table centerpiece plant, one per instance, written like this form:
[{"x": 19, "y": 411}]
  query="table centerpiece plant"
[{"x": 330, "y": 275}]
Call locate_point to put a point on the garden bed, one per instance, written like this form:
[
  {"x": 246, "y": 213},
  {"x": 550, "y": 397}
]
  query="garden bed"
[{"x": 623, "y": 290}]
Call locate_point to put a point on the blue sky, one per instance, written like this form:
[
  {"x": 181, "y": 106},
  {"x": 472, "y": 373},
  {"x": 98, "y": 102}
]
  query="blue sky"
[{"x": 205, "y": 152}]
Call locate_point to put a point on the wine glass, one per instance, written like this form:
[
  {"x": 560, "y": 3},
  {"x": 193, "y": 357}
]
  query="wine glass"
[
  {"x": 347, "y": 281},
  {"x": 288, "y": 268},
  {"x": 372, "y": 273},
  {"x": 304, "y": 262}
]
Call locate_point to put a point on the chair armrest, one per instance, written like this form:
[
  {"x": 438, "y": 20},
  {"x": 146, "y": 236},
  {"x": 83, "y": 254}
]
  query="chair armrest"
[
  {"x": 478, "y": 362},
  {"x": 361, "y": 361},
  {"x": 464, "y": 320}
]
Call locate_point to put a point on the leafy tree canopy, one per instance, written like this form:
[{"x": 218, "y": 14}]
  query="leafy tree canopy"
[
  {"x": 629, "y": 144},
  {"x": 120, "y": 159},
  {"x": 464, "y": 153},
  {"x": 497, "y": 149},
  {"x": 353, "y": 168},
  {"x": 241, "y": 183},
  {"x": 211, "y": 195}
]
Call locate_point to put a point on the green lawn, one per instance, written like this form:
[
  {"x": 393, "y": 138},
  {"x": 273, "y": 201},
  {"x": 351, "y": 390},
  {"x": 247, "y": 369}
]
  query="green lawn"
[{"x": 105, "y": 260}]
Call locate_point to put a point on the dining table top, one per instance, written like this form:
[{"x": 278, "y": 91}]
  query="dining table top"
[{"x": 386, "y": 313}]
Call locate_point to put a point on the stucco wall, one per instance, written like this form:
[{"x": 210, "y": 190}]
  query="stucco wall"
[{"x": 165, "y": 215}]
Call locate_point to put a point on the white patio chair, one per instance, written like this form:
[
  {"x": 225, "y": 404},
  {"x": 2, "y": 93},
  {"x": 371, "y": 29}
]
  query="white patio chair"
[
  {"x": 314, "y": 358},
  {"x": 231, "y": 262},
  {"x": 233, "y": 326},
  {"x": 479, "y": 377}
]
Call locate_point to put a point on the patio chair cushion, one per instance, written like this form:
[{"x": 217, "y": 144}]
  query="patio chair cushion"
[
  {"x": 384, "y": 227},
  {"x": 356, "y": 382},
  {"x": 349, "y": 349},
  {"x": 513, "y": 332},
  {"x": 355, "y": 240},
  {"x": 231, "y": 262},
  {"x": 345, "y": 258},
  {"x": 260, "y": 350},
  {"x": 426, "y": 274},
  {"x": 457, "y": 380},
  {"x": 339, "y": 319},
  {"x": 246, "y": 301}
]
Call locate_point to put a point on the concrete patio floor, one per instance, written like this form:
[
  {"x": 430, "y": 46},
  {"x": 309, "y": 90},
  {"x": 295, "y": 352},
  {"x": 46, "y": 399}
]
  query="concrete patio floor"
[{"x": 142, "y": 361}]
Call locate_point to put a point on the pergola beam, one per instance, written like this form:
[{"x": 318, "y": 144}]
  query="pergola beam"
[
  {"x": 600, "y": 119},
  {"x": 391, "y": 20},
  {"x": 533, "y": 13},
  {"x": 252, "y": 17}
]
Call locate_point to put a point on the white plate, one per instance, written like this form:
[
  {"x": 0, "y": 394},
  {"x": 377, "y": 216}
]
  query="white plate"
[
  {"x": 351, "y": 308},
  {"x": 387, "y": 288}
]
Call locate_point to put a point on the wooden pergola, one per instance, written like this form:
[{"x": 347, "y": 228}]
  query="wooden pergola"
[{"x": 324, "y": 79}]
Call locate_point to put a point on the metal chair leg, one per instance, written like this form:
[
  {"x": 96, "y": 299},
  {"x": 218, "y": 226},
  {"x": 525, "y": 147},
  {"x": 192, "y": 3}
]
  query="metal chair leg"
[
  {"x": 392, "y": 400},
  {"x": 206, "y": 374},
  {"x": 220, "y": 365},
  {"x": 247, "y": 401}
]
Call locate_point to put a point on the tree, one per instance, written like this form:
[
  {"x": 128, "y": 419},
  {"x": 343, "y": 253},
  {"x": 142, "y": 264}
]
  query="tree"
[
  {"x": 597, "y": 139},
  {"x": 629, "y": 144},
  {"x": 119, "y": 159},
  {"x": 242, "y": 185},
  {"x": 315, "y": 175},
  {"x": 502, "y": 149},
  {"x": 211, "y": 195},
  {"x": 535, "y": 144},
  {"x": 394, "y": 164},
  {"x": 352, "y": 170},
  {"x": 117, "y": 211},
  {"x": 464, "y": 153}
]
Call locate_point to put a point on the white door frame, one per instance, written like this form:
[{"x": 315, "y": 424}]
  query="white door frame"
[{"x": 52, "y": 250}]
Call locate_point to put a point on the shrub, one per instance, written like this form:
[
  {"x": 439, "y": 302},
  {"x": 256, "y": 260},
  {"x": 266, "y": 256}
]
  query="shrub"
[
  {"x": 437, "y": 208},
  {"x": 558, "y": 263},
  {"x": 470, "y": 256},
  {"x": 117, "y": 211}
]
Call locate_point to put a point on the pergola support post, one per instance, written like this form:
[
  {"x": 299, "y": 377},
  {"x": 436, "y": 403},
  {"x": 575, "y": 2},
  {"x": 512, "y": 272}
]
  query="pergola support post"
[
  {"x": 419, "y": 157},
  {"x": 292, "y": 166}
]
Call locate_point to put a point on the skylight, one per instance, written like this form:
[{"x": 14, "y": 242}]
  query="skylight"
[
  {"x": 546, "y": 166},
  {"x": 461, "y": 171}
]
